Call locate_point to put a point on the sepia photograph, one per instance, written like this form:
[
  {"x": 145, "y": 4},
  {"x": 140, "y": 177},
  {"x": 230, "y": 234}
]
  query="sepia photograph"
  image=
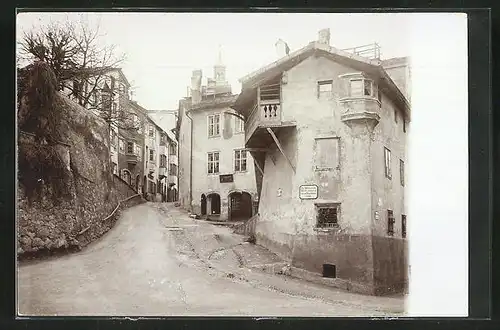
[{"x": 240, "y": 164}]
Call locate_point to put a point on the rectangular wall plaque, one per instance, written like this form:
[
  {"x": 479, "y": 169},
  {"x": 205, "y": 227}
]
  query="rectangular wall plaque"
[
  {"x": 308, "y": 192},
  {"x": 224, "y": 178}
]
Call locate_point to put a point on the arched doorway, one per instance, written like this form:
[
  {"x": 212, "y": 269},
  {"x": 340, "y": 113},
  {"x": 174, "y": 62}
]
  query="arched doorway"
[
  {"x": 203, "y": 204},
  {"x": 213, "y": 201},
  {"x": 239, "y": 206},
  {"x": 126, "y": 176}
]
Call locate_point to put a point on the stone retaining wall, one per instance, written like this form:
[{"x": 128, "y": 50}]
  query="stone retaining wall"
[{"x": 91, "y": 192}]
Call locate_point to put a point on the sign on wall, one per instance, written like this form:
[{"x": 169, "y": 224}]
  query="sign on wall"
[
  {"x": 308, "y": 192},
  {"x": 225, "y": 178}
]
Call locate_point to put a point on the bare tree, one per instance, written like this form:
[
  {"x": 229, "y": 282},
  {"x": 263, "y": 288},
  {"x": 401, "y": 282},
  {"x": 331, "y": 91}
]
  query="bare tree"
[
  {"x": 83, "y": 66},
  {"x": 77, "y": 56}
]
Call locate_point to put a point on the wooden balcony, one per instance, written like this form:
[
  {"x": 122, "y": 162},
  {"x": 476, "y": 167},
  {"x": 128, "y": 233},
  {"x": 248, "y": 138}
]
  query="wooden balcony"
[
  {"x": 262, "y": 108},
  {"x": 132, "y": 158},
  {"x": 268, "y": 114}
]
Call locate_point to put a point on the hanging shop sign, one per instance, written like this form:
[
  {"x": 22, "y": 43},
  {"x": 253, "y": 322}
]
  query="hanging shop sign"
[{"x": 225, "y": 178}]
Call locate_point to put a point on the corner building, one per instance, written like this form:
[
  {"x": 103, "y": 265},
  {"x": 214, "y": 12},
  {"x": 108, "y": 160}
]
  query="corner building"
[{"x": 329, "y": 130}]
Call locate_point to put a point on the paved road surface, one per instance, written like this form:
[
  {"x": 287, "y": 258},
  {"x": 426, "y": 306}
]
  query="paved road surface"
[{"x": 156, "y": 261}]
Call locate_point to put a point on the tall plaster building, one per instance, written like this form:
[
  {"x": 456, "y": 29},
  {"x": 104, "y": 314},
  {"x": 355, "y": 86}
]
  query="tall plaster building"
[
  {"x": 329, "y": 130},
  {"x": 216, "y": 176}
]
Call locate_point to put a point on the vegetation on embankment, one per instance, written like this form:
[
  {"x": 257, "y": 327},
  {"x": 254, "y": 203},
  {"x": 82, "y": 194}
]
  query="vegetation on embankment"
[{"x": 65, "y": 185}]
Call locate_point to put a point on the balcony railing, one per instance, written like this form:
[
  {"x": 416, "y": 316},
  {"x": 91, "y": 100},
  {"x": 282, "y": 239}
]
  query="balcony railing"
[
  {"x": 270, "y": 110},
  {"x": 267, "y": 113},
  {"x": 371, "y": 51},
  {"x": 132, "y": 158}
]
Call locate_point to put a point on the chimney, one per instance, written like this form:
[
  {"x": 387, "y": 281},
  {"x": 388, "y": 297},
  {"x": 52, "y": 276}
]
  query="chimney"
[
  {"x": 196, "y": 86},
  {"x": 282, "y": 48},
  {"x": 324, "y": 37}
]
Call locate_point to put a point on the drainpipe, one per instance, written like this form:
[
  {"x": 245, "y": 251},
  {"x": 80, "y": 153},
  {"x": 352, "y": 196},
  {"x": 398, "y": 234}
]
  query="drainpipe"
[{"x": 190, "y": 163}]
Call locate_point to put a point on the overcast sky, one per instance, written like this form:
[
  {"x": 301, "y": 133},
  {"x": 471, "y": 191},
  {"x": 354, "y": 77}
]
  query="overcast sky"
[{"x": 163, "y": 49}]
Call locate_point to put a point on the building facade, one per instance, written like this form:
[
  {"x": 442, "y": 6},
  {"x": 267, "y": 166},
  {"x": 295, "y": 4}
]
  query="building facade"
[
  {"x": 173, "y": 168},
  {"x": 167, "y": 121},
  {"x": 216, "y": 172},
  {"x": 329, "y": 129},
  {"x": 131, "y": 144}
]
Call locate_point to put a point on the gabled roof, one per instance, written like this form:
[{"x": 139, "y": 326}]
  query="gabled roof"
[
  {"x": 103, "y": 71},
  {"x": 217, "y": 102},
  {"x": 369, "y": 66},
  {"x": 122, "y": 75},
  {"x": 139, "y": 107},
  {"x": 170, "y": 135}
]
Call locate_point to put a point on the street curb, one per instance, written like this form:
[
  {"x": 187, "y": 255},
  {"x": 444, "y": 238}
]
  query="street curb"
[{"x": 283, "y": 268}]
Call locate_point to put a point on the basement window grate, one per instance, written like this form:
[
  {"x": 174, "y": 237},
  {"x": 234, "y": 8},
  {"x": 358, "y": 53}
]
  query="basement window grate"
[
  {"x": 329, "y": 271},
  {"x": 327, "y": 215},
  {"x": 390, "y": 223}
]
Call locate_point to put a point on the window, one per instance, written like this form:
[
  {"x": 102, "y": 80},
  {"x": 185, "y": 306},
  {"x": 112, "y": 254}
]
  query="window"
[
  {"x": 403, "y": 225},
  {"x": 163, "y": 161},
  {"x": 356, "y": 87},
  {"x": 402, "y": 172},
  {"x": 387, "y": 156},
  {"x": 390, "y": 223},
  {"x": 172, "y": 149},
  {"x": 395, "y": 116},
  {"x": 325, "y": 88},
  {"x": 363, "y": 87},
  {"x": 95, "y": 98},
  {"x": 327, "y": 215},
  {"x": 114, "y": 168},
  {"x": 138, "y": 150},
  {"x": 135, "y": 120},
  {"x": 239, "y": 125},
  {"x": 240, "y": 160},
  {"x": 367, "y": 87},
  {"x": 173, "y": 169},
  {"x": 122, "y": 146},
  {"x": 404, "y": 126},
  {"x": 151, "y": 155},
  {"x": 130, "y": 147},
  {"x": 106, "y": 102},
  {"x": 213, "y": 162},
  {"x": 326, "y": 156},
  {"x": 214, "y": 125},
  {"x": 115, "y": 106},
  {"x": 113, "y": 140},
  {"x": 151, "y": 131}
]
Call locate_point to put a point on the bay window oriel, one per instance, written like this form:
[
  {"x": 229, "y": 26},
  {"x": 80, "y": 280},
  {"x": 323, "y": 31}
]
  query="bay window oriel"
[{"x": 362, "y": 87}]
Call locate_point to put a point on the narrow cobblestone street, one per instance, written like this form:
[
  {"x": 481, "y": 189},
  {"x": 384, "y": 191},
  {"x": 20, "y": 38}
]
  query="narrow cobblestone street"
[{"x": 157, "y": 261}]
